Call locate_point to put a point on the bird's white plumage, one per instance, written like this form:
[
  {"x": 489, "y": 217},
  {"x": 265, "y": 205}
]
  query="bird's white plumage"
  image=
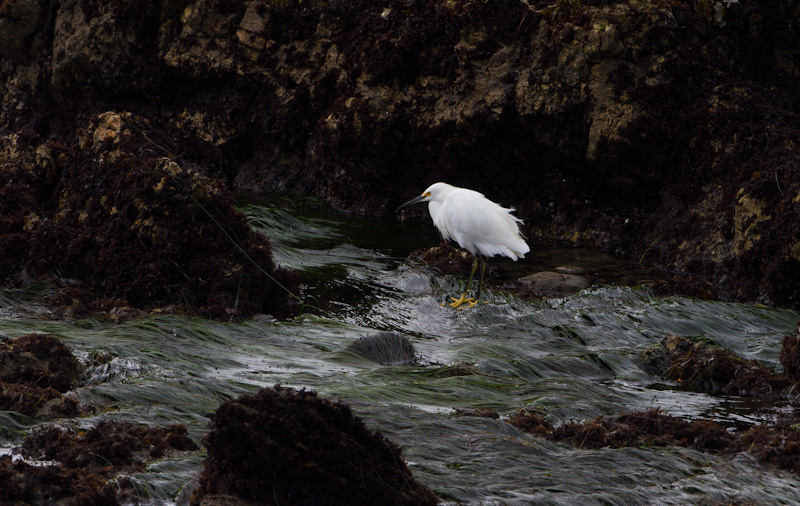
[{"x": 476, "y": 223}]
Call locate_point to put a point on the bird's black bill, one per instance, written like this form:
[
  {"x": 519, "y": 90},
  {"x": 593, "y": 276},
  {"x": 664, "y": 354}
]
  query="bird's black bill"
[{"x": 412, "y": 201}]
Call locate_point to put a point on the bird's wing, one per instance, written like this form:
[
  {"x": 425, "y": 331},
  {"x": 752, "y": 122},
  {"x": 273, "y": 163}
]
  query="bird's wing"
[{"x": 481, "y": 226}]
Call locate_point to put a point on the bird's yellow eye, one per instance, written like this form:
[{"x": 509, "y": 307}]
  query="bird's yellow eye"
[{"x": 426, "y": 194}]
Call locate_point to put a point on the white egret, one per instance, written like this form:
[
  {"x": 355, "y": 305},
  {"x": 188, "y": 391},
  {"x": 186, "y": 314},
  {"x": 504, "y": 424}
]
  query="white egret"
[{"x": 477, "y": 224}]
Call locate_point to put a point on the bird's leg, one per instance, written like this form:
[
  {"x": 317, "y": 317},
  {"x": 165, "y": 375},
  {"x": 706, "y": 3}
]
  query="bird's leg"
[
  {"x": 480, "y": 284},
  {"x": 463, "y": 299}
]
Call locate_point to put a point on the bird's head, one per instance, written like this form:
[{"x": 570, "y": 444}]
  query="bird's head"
[{"x": 435, "y": 192}]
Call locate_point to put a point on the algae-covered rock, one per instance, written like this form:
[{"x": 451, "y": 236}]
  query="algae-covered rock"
[
  {"x": 38, "y": 359},
  {"x": 661, "y": 131},
  {"x": 35, "y": 371},
  {"x": 133, "y": 226},
  {"x": 91, "y": 463},
  {"x": 386, "y": 348},
  {"x": 704, "y": 367},
  {"x": 281, "y": 446}
]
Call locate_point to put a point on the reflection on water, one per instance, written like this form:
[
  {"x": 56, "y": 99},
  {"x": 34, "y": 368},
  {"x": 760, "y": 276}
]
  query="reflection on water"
[{"x": 571, "y": 358}]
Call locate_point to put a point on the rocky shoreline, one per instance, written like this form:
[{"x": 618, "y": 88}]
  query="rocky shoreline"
[
  {"x": 661, "y": 131},
  {"x": 664, "y": 131}
]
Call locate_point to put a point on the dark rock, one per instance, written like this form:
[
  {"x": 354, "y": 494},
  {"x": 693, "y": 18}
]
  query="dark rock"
[
  {"x": 25, "y": 484},
  {"x": 790, "y": 356},
  {"x": 645, "y": 428},
  {"x": 125, "y": 225},
  {"x": 446, "y": 259},
  {"x": 385, "y": 348},
  {"x": 776, "y": 444},
  {"x": 35, "y": 370},
  {"x": 681, "y": 284},
  {"x": 660, "y": 131},
  {"x": 108, "y": 48},
  {"x": 38, "y": 359},
  {"x": 549, "y": 284},
  {"x": 87, "y": 462},
  {"x": 703, "y": 367},
  {"x": 23, "y": 29},
  {"x": 280, "y": 446}
]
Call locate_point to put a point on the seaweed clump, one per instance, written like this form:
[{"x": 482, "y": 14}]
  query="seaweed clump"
[
  {"x": 777, "y": 444},
  {"x": 87, "y": 461},
  {"x": 446, "y": 259},
  {"x": 530, "y": 422},
  {"x": 651, "y": 427},
  {"x": 35, "y": 370},
  {"x": 280, "y": 446},
  {"x": 703, "y": 367},
  {"x": 124, "y": 446}
]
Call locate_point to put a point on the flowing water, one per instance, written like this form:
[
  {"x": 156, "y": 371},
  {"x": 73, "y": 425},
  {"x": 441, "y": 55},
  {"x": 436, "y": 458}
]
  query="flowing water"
[{"x": 571, "y": 358}]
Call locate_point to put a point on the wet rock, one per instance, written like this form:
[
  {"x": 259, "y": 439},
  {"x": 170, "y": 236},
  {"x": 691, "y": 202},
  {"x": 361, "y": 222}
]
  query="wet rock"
[
  {"x": 657, "y": 130},
  {"x": 777, "y": 444},
  {"x": 124, "y": 446},
  {"x": 704, "y": 367},
  {"x": 124, "y": 224},
  {"x": 280, "y": 446},
  {"x": 35, "y": 370},
  {"x": 446, "y": 259},
  {"x": 385, "y": 348},
  {"x": 85, "y": 461},
  {"x": 53, "y": 485},
  {"x": 645, "y": 428},
  {"x": 26, "y": 399},
  {"x": 790, "y": 357},
  {"x": 38, "y": 359},
  {"x": 549, "y": 284},
  {"x": 688, "y": 286}
]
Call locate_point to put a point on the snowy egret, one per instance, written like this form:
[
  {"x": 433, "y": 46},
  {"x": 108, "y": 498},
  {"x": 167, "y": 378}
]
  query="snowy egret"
[{"x": 477, "y": 224}]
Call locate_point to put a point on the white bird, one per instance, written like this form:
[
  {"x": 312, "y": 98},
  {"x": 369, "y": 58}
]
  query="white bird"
[{"x": 477, "y": 224}]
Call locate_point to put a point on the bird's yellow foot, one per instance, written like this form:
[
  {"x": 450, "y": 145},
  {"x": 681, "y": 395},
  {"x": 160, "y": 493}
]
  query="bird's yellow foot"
[{"x": 457, "y": 303}]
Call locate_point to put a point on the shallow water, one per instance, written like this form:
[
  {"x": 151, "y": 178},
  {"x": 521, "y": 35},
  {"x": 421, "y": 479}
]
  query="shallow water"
[{"x": 571, "y": 358}]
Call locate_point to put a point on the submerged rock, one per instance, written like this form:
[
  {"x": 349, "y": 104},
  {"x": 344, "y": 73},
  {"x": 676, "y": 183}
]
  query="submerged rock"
[
  {"x": 281, "y": 446},
  {"x": 385, "y": 348},
  {"x": 549, "y": 284},
  {"x": 477, "y": 413}
]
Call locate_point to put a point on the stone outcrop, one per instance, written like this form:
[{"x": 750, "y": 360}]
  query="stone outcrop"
[
  {"x": 664, "y": 131},
  {"x": 281, "y": 446},
  {"x": 118, "y": 220}
]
